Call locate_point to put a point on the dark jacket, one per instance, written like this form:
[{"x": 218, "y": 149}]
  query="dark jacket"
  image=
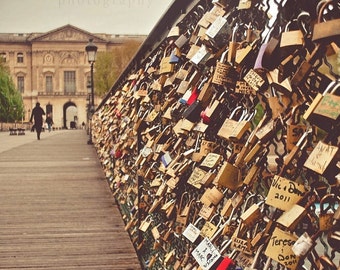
[{"x": 37, "y": 114}]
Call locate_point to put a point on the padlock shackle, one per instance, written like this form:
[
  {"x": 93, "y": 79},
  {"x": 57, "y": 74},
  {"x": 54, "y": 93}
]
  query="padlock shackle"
[
  {"x": 231, "y": 116},
  {"x": 223, "y": 55},
  {"x": 223, "y": 225},
  {"x": 302, "y": 20},
  {"x": 326, "y": 201}
]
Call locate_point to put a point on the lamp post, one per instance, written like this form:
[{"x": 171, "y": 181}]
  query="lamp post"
[
  {"x": 88, "y": 105},
  {"x": 91, "y": 50}
]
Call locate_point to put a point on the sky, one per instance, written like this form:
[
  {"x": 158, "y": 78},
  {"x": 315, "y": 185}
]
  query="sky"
[{"x": 95, "y": 16}]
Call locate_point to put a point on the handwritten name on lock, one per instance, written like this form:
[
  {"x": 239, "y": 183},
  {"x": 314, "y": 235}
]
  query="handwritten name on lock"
[
  {"x": 241, "y": 245},
  {"x": 196, "y": 177},
  {"x": 321, "y": 157},
  {"x": 329, "y": 106},
  {"x": 254, "y": 80},
  {"x": 211, "y": 160},
  {"x": 279, "y": 248},
  {"x": 283, "y": 193},
  {"x": 206, "y": 254}
]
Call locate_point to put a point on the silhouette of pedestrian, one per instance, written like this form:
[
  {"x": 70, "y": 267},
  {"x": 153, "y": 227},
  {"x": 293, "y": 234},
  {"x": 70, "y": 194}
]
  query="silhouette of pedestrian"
[
  {"x": 49, "y": 122},
  {"x": 37, "y": 114}
]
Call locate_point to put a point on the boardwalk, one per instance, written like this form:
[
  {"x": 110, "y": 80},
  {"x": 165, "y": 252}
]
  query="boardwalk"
[{"x": 56, "y": 209}]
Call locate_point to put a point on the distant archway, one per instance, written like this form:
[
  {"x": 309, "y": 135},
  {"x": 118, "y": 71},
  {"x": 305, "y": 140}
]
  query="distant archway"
[{"x": 70, "y": 115}]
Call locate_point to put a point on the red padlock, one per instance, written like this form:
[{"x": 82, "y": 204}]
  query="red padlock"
[
  {"x": 193, "y": 97},
  {"x": 204, "y": 116},
  {"x": 118, "y": 154},
  {"x": 226, "y": 264}
]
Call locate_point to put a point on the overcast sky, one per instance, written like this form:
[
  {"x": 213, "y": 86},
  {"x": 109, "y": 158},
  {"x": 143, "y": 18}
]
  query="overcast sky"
[{"x": 96, "y": 16}]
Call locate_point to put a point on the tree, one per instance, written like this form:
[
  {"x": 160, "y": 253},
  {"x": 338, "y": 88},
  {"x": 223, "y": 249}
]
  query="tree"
[
  {"x": 109, "y": 65},
  {"x": 11, "y": 104}
]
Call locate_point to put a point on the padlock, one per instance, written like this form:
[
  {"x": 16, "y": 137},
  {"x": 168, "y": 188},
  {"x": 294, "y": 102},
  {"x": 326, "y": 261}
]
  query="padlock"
[
  {"x": 253, "y": 172},
  {"x": 212, "y": 110},
  {"x": 227, "y": 262},
  {"x": 256, "y": 259},
  {"x": 192, "y": 231},
  {"x": 206, "y": 254},
  {"x": 293, "y": 216},
  {"x": 165, "y": 65},
  {"x": 175, "y": 56},
  {"x": 327, "y": 208},
  {"x": 242, "y": 127},
  {"x": 256, "y": 79},
  {"x": 327, "y": 30},
  {"x": 251, "y": 215},
  {"x": 193, "y": 112},
  {"x": 224, "y": 73},
  {"x": 183, "y": 209},
  {"x": 183, "y": 39},
  {"x": 233, "y": 45},
  {"x": 245, "y": 4},
  {"x": 228, "y": 176},
  {"x": 182, "y": 73},
  {"x": 211, "y": 226},
  {"x": 274, "y": 100},
  {"x": 291, "y": 37},
  {"x": 219, "y": 31},
  {"x": 323, "y": 160},
  {"x": 195, "y": 92},
  {"x": 325, "y": 114},
  {"x": 206, "y": 92},
  {"x": 145, "y": 224},
  {"x": 297, "y": 148},
  {"x": 288, "y": 66},
  {"x": 234, "y": 128},
  {"x": 300, "y": 76},
  {"x": 174, "y": 32},
  {"x": 295, "y": 128},
  {"x": 201, "y": 56},
  {"x": 247, "y": 52}
]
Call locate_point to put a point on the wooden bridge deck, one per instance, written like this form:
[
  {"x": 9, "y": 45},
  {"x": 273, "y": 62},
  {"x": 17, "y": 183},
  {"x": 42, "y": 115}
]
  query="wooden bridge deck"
[{"x": 56, "y": 209}]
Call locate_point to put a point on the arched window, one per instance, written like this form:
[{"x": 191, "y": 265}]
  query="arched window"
[
  {"x": 20, "y": 58},
  {"x": 3, "y": 57}
]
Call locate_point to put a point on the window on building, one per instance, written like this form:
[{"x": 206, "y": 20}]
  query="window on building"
[
  {"x": 49, "y": 109},
  {"x": 21, "y": 83},
  {"x": 3, "y": 57},
  {"x": 69, "y": 81},
  {"x": 49, "y": 84},
  {"x": 20, "y": 57}
]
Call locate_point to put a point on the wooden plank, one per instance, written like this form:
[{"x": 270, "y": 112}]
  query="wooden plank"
[{"x": 56, "y": 209}]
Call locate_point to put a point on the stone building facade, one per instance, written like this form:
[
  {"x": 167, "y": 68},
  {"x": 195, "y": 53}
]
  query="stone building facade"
[{"x": 52, "y": 68}]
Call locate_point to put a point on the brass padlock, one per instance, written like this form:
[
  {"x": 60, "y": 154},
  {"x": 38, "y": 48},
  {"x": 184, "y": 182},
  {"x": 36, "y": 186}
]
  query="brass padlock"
[
  {"x": 291, "y": 37},
  {"x": 234, "y": 128},
  {"x": 300, "y": 76},
  {"x": 327, "y": 31},
  {"x": 326, "y": 112},
  {"x": 327, "y": 208},
  {"x": 224, "y": 73},
  {"x": 229, "y": 176}
]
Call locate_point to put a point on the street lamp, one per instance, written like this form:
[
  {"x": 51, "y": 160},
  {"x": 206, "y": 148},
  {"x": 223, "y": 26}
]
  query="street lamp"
[
  {"x": 91, "y": 50},
  {"x": 88, "y": 105}
]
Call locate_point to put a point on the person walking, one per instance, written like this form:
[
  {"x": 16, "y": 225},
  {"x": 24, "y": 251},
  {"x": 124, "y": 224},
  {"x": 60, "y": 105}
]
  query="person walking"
[
  {"x": 49, "y": 122},
  {"x": 37, "y": 114}
]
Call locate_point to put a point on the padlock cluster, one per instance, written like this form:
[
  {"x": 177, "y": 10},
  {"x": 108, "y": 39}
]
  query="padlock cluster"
[{"x": 222, "y": 146}]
